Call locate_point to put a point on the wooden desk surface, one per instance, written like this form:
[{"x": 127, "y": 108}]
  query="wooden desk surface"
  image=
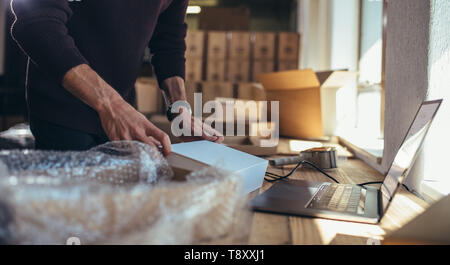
[{"x": 279, "y": 229}]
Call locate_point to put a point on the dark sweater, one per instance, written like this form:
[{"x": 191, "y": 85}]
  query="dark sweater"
[{"x": 109, "y": 35}]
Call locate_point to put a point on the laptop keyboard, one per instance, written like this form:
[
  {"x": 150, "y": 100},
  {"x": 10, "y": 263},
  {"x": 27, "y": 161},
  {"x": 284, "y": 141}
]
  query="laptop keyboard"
[{"x": 339, "y": 197}]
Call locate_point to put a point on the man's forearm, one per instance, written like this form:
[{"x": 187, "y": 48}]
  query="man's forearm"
[
  {"x": 174, "y": 89},
  {"x": 119, "y": 119},
  {"x": 84, "y": 83}
]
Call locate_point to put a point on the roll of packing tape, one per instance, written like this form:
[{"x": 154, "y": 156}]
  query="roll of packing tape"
[{"x": 323, "y": 157}]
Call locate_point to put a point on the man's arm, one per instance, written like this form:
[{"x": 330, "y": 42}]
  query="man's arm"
[
  {"x": 40, "y": 31},
  {"x": 168, "y": 44},
  {"x": 120, "y": 120},
  {"x": 168, "y": 47}
]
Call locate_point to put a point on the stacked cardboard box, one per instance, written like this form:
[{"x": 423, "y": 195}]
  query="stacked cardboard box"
[
  {"x": 263, "y": 54},
  {"x": 238, "y": 71},
  {"x": 262, "y": 67},
  {"x": 288, "y": 50},
  {"x": 239, "y": 57},
  {"x": 216, "y": 56},
  {"x": 251, "y": 91},
  {"x": 148, "y": 96},
  {"x": 213, "y": 90},
  {"x": 194, "y": 70},
  {"x": 194, "y": 55},
  {"x": 215, "y": 71}
]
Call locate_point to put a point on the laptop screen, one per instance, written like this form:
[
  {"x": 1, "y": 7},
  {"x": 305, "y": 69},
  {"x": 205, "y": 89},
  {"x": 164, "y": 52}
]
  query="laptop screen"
[{"x": 407, "y": 153}]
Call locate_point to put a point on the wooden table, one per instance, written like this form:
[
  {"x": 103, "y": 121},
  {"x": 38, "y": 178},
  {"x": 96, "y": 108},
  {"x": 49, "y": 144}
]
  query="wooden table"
[{"x": 278, "y": 229}]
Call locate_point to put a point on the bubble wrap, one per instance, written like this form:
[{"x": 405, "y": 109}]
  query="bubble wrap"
[
  {"x": 17, "y": 137},
  {"x": 117, "y": 193}
]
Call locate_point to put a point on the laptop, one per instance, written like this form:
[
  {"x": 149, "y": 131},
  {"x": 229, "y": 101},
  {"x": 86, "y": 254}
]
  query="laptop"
[{"x": 348, "y": 202}]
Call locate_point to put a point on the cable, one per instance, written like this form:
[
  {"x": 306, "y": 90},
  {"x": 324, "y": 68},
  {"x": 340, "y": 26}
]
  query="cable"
[
  {"x": 406, "y": 188},
  {"x": 370, "y": 183},
  {"x": 275, "y": 177},
  {"x": 381, "y": 182}
]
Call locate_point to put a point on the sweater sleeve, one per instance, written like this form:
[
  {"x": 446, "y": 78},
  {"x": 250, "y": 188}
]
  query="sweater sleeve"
[
  {"x": 168, "y": 44},
  {"x": 40, "y": 31}
]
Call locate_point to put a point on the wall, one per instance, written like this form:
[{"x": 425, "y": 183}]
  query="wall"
[
  {"x": 435, "y": 156},
  {"x": 417, "y": 68},
  {"x": 406, "y": 69}
]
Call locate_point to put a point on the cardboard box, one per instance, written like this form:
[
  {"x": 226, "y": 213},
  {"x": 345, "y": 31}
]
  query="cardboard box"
[
  {"x": 217, "y": 45},
  {"x": 336, "y": 109},
  {"x": 195, "y": 41},
  {"x": 287, "y": 65},
  {"x": 238, "y": 71},
  {"x": 262, "y": 67},
  {"x": 213, "y": 90},
  {"x": 197, "y": 155},
  {"x": 300, "y": 107},
  {"x": 307, "y": 109},
  {"x": 288, "y": 46},
  {"x": 251, "y": 91},
  {"x": 194, "y": 70},
  {"x": 264, "y": 46},
  {"x": 243, "y": 144},
  {"x": 244, "y": 114},
  {"x": 239, "y": 45},
  {"x": 148, "y": 96},
  {"x": 215, "y": 70}
]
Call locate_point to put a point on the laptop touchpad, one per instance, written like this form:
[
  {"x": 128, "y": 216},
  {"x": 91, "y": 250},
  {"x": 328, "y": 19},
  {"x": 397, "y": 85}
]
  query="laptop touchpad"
[{"x": 288, "y": 191}]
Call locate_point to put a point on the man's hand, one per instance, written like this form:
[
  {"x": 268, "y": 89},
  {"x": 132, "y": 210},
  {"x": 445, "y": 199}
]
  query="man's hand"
[
  {"x": 208, "y": 133},
  {"x": 119, "y": 119},
  {"x": 174, "y": 90},
  {"x": 122, "y": 122}
]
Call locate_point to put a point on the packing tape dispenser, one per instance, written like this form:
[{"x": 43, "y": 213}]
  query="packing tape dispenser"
[{"x": 323, "y": 157}]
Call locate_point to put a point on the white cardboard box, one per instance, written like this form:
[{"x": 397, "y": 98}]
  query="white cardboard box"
[{"x": 197, "y": 155}]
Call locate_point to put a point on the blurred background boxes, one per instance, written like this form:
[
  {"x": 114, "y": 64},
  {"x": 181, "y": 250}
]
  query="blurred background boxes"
[
  {"x": 194, "y": 70},
  {"x": 148, "y": 96},
  {"x": 213, "y": 90},
  {"x": 262, "y": 67},
  {"x": 264, "y": 46},
  {"x": 217, "y": 45},
  {"x": 288, "y": 46},
  {"x": 238, "y": 71},
  {"x": 239, "y": 56},
  {"x": 251, "y": 91},
  {"x": 215, "y": 70},
  {"x": 239, "y": 45},
  {"x": 195, "y": 41}
]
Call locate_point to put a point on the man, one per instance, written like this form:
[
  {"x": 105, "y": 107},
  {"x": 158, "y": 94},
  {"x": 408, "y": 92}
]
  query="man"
[{"x": 84, "y": 58}]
